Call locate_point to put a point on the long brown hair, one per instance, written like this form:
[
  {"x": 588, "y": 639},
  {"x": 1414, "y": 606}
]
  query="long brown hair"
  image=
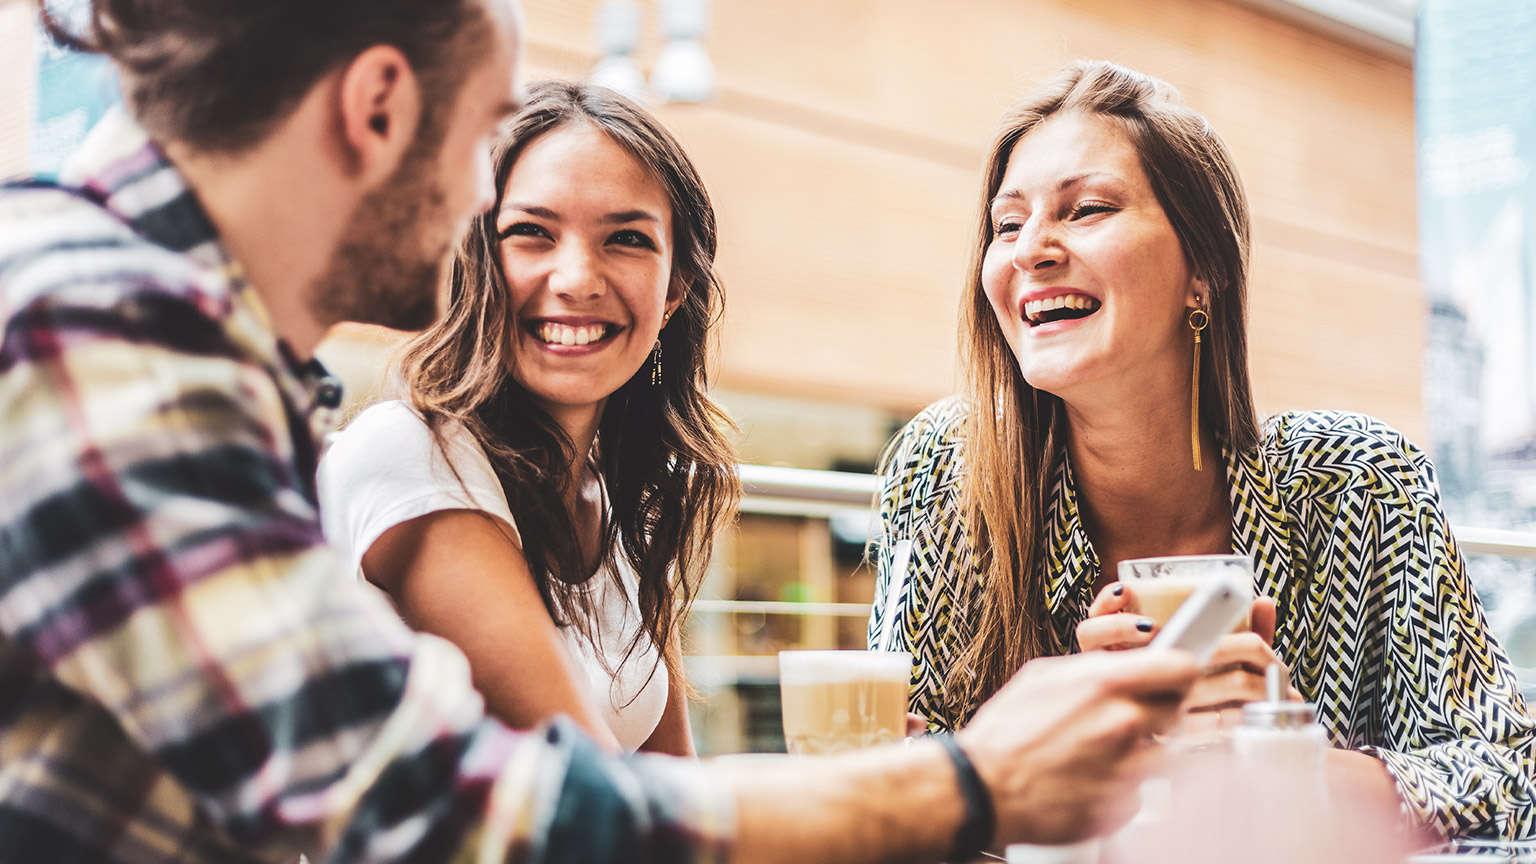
[
  {"x": 1014, "y": 433},
  {"x": 662, "y": 451}
]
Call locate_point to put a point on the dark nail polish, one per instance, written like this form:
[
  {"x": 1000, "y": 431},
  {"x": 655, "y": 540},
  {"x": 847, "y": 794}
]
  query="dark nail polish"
[
  {"x": 1144, "y": 625},
  {"x": 1119, "y": 589}
]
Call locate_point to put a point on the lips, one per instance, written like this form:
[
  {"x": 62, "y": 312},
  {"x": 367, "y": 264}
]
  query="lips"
[{"x": 1061, "y": 307}]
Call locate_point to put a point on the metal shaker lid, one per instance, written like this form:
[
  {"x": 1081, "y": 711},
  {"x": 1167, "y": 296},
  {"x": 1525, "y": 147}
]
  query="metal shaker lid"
[
  {"x": 1276, "y": 712},
  {"x": 1279, "y": 715}
]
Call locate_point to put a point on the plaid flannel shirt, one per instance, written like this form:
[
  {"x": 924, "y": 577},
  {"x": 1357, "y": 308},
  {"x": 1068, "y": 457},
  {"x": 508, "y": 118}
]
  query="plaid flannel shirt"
[{"x": 185, "y": 673}]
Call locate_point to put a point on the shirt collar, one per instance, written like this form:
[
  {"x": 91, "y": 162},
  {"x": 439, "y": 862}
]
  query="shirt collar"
[
  {"x": 125, "y": 172},
  {"x": 1260, "y": 527},
  {"x": 1071, "y": 562},
  {"x": 120, "y": 168}
]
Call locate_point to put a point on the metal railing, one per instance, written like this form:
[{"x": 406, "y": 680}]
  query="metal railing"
[
  {"x": 1495, "y": 541},
  {"x": 823, "y": 494},
  {"x": 804, "y": 492}
]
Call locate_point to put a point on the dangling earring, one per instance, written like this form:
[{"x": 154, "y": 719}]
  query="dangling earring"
[
  {"x": 656, "y": 353},
  {"x": 1198, "y": 320}
]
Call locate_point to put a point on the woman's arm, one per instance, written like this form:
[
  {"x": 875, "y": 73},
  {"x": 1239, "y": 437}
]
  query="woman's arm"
[
  {"x": 672, "y": 734},
  {"x": 1465, "y": 758},
  {"x": 1423, "y": 686},
  {"x": 457, "y": 574}
]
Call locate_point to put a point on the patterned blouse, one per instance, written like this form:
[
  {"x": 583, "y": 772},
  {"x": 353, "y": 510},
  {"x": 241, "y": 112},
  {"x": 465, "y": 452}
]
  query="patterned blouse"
[{"x": 1376, "y": 620}]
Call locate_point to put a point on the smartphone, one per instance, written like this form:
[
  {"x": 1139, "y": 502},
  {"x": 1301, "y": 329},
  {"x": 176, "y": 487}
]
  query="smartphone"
[{"x": 1209, "y": 614}]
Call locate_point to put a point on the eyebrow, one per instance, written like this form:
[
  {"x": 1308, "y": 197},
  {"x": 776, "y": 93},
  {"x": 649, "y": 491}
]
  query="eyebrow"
[
  {"x": 1066, "y": 182},
  {"x": 617, "y": 218},
  {"x": 531, "y": 210},
  {"x": 631, "y": 216}
]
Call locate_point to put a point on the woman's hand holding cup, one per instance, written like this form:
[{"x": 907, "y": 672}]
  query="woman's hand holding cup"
[{"x": 1233, "y": 676}]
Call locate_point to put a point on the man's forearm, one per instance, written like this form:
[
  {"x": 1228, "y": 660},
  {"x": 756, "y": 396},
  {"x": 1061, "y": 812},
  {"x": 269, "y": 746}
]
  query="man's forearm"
[{"x": 894, "y": 803}]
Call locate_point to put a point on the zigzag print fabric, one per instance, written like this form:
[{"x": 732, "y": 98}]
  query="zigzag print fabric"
[{"x": 1376, "y": 617}]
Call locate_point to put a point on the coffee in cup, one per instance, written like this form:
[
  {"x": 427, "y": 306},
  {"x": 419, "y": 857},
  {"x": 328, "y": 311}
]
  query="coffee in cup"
[
  {"x": 843, "y": 700},
  {"x": 1159, "y": 586}
]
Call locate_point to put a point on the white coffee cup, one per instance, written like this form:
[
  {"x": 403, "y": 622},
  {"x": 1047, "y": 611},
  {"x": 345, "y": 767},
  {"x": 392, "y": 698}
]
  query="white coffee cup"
[
  {"x": 1086, "y": 852},
  {"x": 843, "y": 700},
  {"x": 1158, "y": 586}
]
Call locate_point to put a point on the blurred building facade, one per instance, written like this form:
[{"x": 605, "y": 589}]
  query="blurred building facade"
[{"x": 843, "y": 154}]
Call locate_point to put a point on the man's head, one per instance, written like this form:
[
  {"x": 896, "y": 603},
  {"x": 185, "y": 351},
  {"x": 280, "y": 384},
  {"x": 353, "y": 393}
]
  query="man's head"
[
  {"x": 395, "y": 99},
  {"x": 218, "y": 75},
  {"x": 394, "y": 252}
]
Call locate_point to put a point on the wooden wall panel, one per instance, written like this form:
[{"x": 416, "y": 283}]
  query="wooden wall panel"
[
  {"x": 843, "y": 156},
  {"x": 832, "y": 254},
  {"x": 890, "y": 103},
  {"x": 1337, "y": 336}
]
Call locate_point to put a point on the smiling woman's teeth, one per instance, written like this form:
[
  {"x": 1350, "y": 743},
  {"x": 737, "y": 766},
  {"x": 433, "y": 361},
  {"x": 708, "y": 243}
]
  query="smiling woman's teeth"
[
  {"x": 1058, "y": 308},
  {"x": 561, "y": 334}
]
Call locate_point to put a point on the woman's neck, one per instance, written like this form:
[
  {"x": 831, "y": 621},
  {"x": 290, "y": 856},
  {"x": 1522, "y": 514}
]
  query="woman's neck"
[
  {"x": 580, "y": 427},
  {"x": 583, "y": 494},
  {"x": 1138, "y": 490}
]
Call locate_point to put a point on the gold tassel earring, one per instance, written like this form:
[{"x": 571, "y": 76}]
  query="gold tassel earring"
[
  {"x": 1198, "y": 320},
  {"x": 656, "y": 352}
]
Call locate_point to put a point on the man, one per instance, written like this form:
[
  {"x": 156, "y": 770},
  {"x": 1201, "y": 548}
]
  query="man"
[{"x": 184, "y": 675}]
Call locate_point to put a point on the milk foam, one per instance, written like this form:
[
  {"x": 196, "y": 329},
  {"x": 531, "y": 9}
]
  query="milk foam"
[{"x": 834, "y": 667}]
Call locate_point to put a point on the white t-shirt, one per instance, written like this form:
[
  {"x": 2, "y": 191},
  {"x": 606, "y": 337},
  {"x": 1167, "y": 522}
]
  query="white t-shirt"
[{"x": 385, "y": 468}]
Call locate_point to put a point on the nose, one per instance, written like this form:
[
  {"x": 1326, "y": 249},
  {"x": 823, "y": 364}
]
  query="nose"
[
  {"x": 575, "y": 276},
  {"x": 1037, "y": 247}
]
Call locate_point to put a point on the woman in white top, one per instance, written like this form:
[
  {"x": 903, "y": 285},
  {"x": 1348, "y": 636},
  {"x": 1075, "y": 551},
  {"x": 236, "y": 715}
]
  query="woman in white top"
[{"x": 548, "y": 495}]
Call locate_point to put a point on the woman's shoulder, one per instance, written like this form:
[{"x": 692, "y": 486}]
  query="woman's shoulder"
[
  {"x": 391, "y": 447},
  {"x": 388, "y": 466},
  {"x": 1319, "y": 453},
  {"x": 924, "y": 465},
  {"x": 393, "y": 430},
  {"x": 940, "y": 426},
  {"x": 386, "y": 434},
  {"x": 391, "y": 417}
]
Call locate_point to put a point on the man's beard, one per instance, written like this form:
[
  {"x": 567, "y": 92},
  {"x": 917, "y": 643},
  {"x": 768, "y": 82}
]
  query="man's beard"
[{"x": 380, "y": 272}]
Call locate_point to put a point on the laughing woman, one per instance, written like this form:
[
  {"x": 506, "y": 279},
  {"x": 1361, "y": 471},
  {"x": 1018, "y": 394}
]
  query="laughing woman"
[
  {"x": 1108, "y": 416},
  {"x": 548, "y": 494}
]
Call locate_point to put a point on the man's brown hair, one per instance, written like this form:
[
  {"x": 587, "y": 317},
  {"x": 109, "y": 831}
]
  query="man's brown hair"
[{"x": 218, "y": 75}]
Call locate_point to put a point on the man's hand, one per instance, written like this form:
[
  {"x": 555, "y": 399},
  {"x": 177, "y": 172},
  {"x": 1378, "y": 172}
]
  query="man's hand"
[{"x": 1064, "y": 746}]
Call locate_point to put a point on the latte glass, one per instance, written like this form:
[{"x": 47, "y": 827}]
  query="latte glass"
[
  {"x": 1159, "y": 585},
  {"x": 843, "y": 700}
]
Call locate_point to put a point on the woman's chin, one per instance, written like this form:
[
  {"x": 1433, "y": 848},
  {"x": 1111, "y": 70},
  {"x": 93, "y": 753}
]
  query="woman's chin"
[{"x": 1050, "y": 379}]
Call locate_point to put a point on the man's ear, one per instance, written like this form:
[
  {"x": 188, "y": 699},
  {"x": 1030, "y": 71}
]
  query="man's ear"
[{"x": 380, "y": 107}]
